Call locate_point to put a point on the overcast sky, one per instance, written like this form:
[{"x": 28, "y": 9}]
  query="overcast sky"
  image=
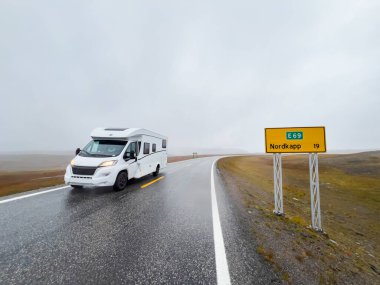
[{"x": 208, "y": 74}]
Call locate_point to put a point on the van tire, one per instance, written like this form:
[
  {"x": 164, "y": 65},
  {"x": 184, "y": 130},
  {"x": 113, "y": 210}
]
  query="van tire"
[
  {"x": 157, "y": 170},
  {"x": 121, "y": 181},
  {"x": 77, "y": 186}
]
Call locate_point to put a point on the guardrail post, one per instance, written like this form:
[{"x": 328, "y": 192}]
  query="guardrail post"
[
  {"x": 316, "y": 223},
  {"x": 277, "y": 176}
]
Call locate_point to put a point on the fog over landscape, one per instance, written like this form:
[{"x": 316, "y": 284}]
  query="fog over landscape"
[{"x": 211, "y": 75}]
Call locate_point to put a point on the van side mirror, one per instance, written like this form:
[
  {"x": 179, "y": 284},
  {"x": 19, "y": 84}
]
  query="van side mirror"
[
  {"x": 77, "y": 151},
  {"x": 132, "y": 155}
]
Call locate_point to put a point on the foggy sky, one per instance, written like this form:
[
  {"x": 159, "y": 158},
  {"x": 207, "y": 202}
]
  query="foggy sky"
[{"x": 208, "y": 74}]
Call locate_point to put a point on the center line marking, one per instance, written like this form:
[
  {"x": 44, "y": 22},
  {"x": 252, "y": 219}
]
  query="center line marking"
[
  {"x": 222, "y": 272},
  {"x": 151, "y": 182}
]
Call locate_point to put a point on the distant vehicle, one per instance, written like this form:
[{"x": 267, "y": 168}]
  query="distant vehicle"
[{"x": 115, "y": 155}]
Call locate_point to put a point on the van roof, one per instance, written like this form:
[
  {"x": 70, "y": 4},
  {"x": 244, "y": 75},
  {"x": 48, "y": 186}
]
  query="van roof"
[{"x": 123, "y": 133}]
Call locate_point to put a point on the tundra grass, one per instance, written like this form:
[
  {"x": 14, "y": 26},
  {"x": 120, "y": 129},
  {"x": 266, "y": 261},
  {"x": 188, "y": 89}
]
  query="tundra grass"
[
  {"x": 350, "y": 205},
  {"x": 21, "y": 181}
]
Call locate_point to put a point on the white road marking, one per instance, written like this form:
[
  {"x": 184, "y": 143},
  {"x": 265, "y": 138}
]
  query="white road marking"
[
  {"x": 33, "y": 194},
  {"x": 222, "y": 272}
]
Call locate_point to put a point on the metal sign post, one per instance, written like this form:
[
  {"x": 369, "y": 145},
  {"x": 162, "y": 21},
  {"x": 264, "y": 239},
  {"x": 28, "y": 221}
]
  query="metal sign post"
[
  {"x": 277, "y": 177},
  {"x": 314, "y": 192},
  {"x": 310, "y": 140}
]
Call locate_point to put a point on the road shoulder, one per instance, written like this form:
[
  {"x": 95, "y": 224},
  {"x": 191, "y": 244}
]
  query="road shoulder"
[{"x": 246, "y": 265}]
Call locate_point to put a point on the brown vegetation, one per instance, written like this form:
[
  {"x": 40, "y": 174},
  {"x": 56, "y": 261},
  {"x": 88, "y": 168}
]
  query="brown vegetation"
[
  {"x": 348, "y": 252},
  {"x": 20, "y": 181}
]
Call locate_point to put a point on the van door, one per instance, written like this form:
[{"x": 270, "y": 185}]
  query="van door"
[
  {"x": 139, "y": 171},
  {"x": 145, "y": 158},
  {"x": 132, "y": 164}
]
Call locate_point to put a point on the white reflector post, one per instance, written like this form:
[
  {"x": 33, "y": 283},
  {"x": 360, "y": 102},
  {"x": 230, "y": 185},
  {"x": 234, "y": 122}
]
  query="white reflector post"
[
  {"x": 277, "y": 176},
  {"x": 314, "y": 193}
]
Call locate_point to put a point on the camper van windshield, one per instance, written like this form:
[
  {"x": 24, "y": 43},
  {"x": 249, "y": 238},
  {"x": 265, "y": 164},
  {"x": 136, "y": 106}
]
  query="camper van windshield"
[{"x": 103, "y": 148}]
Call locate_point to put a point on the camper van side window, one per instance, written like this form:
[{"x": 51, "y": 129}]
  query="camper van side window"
[
  {"x": 154, "y": 147},
  {"x": 146, "y": 148},
  {"x": 163, "y": 143}
]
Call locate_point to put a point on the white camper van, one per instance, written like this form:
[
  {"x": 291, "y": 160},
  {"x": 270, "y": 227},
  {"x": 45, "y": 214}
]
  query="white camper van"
[{"x": 115, "y": 155}]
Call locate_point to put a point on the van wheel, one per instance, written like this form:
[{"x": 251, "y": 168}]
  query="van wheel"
[
  {"x": 157, "y": 171},
  {"x": 121, "y": 181},
  {"x": 77, "y": 186}
]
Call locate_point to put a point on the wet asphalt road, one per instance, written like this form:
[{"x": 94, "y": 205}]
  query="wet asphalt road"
[{"x": 162, "y": 234}]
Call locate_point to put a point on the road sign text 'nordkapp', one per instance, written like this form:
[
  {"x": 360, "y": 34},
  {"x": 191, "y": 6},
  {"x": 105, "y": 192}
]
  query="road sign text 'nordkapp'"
[{"x": 295, "y": 140}]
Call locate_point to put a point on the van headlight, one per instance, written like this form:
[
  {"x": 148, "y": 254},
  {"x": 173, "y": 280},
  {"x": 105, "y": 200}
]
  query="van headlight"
[
  {"x": 108, "y": 163},
  {"x": 72, "y": 162}
]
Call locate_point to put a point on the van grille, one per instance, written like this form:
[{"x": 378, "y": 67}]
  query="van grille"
[{"x": 83, "y": 170}]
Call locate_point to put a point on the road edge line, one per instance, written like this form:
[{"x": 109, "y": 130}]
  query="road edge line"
[
  {"x": 32, "y": 194},
  {"x": 222, "y": 271}
]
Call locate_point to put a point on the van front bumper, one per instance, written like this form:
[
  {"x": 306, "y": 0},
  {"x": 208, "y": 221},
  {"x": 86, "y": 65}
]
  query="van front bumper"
[{"x": 103, "y": 176}]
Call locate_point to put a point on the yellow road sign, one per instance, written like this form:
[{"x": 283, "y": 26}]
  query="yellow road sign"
[{"x": 295, "y": 140}]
